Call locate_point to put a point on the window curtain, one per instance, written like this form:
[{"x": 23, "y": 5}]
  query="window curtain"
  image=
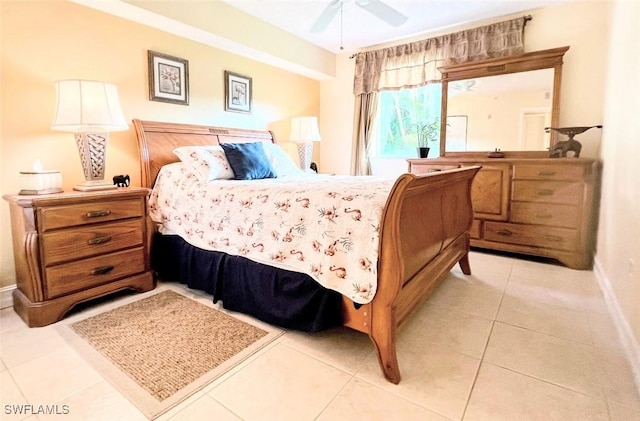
[
  {"x": 416, "y": 64},
  {"x": 366, "y": 106}
]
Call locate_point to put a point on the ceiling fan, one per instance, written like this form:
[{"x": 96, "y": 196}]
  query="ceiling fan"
[{"x": 375, "y": 7}]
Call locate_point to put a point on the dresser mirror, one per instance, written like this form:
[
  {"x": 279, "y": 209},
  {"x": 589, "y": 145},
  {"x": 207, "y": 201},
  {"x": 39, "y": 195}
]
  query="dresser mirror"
[{"x": 503, "y": 104}]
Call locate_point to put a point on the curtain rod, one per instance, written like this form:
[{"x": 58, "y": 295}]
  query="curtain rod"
[{"x": 526, "y": 18}]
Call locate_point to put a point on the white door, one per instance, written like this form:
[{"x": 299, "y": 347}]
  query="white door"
[{"x": 534, "y": 137}]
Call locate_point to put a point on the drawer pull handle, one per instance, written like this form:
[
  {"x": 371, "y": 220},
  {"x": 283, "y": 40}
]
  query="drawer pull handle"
[
  {"x": 97, "y": 214},
  {"x": 553, "y": 238},
  {"x": 547, "y": 173},
  {"x": 102, "y": 270},
  {"x": 544, "y": 215},
  {"x": 545, "y": 192},
  {"x": 505, "y": 232},
  {"x": 99, "y": 240}
]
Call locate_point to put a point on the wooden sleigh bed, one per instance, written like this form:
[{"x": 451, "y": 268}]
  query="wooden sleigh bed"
[{"x": 424, "y": 231}]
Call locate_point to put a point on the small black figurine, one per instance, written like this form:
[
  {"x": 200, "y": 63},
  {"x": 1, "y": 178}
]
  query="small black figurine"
[
  {"x": 561, "y": 148},
  {"x": 121, "y": 180}
]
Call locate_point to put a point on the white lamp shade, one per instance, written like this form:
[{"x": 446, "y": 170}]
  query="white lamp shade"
[
  {"x": 85, "y": 106},
  {"x": 304, "y": 130}
]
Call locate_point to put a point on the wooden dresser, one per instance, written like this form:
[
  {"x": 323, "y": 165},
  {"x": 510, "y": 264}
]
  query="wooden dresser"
[
  {"x": 72, "y": 247},
  {"x": 543, "y": 207}
]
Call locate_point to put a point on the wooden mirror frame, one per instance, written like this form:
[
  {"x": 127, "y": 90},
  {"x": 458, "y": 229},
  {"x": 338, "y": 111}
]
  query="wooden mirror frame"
[{"x": 544, "y": 59}]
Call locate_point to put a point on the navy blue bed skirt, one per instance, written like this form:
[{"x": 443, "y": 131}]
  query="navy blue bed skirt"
[{"x": 288, "y": 299}]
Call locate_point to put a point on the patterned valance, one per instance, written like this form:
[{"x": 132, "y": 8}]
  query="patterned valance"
[{"x": 416, "y": 63}]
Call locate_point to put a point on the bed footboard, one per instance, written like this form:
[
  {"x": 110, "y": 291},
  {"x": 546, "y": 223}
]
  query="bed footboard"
[{"x": 424, "y": 232}]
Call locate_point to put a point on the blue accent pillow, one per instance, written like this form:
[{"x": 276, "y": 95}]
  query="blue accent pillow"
[{"x": 248, "y": 161}]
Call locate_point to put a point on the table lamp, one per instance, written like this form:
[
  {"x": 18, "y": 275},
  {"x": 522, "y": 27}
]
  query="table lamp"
[
  {"x": 90, "y": 110},
  {"x": 304, "y": 131}
]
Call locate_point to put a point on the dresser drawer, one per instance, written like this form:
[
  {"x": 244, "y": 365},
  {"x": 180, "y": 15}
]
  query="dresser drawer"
[
  {"x": 424, "y": 169},
  {"x": 530, "y": 235},
  {"x": 89, "y": 213},
  {"x": 83, "y": 274},
  {"x": 566, "y": 216},
  {"x": 78, "y": 243},
  {"x": 548, "y": 192},
  {"x": 548, "y": 172}
]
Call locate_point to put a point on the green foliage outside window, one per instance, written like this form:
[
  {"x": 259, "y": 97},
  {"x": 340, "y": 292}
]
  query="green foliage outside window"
[{"x": 407, "y": 119}]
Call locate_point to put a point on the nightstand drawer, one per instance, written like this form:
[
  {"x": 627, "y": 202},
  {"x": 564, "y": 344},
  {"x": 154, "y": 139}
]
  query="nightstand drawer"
[
  {"x": 548, "y": 172},
  {"x": 548, "y": 192},
  {"x": 566, "y": 216},
  {"x": 84, "y": 274},
  {"x": 78, "y": 243},
  {"x": 89, "y": 213},
  {"x": 528, "y": 235}
]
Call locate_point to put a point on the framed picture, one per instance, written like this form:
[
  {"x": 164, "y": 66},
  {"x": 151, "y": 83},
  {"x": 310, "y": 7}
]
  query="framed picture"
[
  {"x": 237, "y": 92},
  {"x": 168, "y": 78}
]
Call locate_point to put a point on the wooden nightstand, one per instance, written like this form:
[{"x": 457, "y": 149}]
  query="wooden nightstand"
[{"x": 73, "y": 247}]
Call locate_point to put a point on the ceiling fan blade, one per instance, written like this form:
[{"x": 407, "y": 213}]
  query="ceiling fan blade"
[
  {"x": 326, "y": 16},
  {"x": 383, "y": 11}
]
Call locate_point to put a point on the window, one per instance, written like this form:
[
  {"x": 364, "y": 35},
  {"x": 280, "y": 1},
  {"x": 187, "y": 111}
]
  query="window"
[{"x": 404, "y": 118}]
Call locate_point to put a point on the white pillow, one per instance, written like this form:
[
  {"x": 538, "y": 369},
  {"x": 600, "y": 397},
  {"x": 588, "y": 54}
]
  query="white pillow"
[
  {"x": 208, "y": 162},
  {"x": 280, "y": 161}
]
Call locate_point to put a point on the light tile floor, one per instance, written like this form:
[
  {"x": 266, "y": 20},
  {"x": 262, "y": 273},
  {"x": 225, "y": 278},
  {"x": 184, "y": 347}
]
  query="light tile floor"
[{"x": 517, "y": 340}]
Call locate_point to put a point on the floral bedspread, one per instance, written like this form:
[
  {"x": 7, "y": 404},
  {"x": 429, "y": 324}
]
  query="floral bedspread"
[{"x": 325, "y": 226}]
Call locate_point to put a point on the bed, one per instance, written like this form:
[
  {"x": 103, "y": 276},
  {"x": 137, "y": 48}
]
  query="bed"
[{"x": 423, "y": 232}]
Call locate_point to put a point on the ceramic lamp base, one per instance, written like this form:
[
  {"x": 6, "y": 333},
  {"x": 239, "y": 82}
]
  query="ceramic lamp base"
[
  {"x": 92, "y": 148},
  {"x": 304, "y": 155}
]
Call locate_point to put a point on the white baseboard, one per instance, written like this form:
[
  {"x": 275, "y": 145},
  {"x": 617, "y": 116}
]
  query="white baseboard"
[
  {"x": 6, "y": 299},
  {"x": 629, "y": 341}
]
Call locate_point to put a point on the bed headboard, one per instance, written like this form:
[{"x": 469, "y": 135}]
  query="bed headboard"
[{"x": 157, "y": 140}]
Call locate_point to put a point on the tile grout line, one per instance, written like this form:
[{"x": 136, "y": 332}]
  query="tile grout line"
[{"x": 484, "y": 351}]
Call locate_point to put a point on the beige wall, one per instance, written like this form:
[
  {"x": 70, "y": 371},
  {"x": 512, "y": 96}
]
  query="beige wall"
[
  {"x": 263, "y": 39},
  {"x": 50, "y": 40},
  {"x": 618, "y": 256},
  {"x": 586, "y": 32}
]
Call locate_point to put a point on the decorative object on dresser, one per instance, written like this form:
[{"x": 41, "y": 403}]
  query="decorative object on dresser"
[
  {"x": 541, "y": 207},
  {"x": 40, "y": 181},
  {"x": 72, "y": 247},
  {"x": 561, "y": 148},
  {"x": 168, "y": 78},
  {"x": 122, "y": 180},
  {"x": 238, "y": 90},
  {"x": 90, "y": 110},
  {"x": 495, "y": 154},
  {"x": 427, "y": 132},
  {"x": 304, "y": 131}
]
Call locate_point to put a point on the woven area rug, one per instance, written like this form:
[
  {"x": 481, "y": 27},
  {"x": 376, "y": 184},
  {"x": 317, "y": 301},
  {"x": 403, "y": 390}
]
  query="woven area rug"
[{"x": 160, "y": 349}]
